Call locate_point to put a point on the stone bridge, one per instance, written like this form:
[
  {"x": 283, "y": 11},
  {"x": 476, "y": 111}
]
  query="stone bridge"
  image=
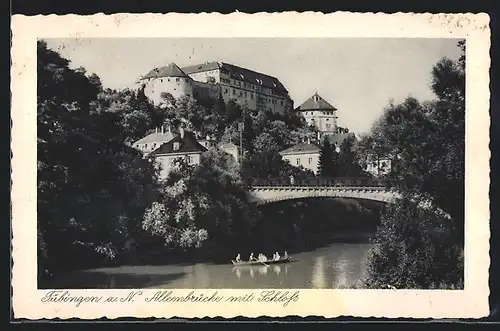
[{"x": 278, "y": 190}]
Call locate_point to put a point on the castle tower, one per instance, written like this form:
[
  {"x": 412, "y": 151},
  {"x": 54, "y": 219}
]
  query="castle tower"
[{"x": 170, "y": 79}]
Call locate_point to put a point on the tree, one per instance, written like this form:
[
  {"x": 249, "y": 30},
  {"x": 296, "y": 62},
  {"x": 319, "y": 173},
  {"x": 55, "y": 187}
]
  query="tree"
[
  {"x": 414, "y": 248},
  {"x": 418, "y": 247},
  {"x": 348, "y": 164}
]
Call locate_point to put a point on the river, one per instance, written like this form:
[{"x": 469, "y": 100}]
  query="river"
[{"x": 338, "y": 265}]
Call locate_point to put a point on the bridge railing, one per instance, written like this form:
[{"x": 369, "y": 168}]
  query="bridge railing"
[{"x": 318, "y": 181}]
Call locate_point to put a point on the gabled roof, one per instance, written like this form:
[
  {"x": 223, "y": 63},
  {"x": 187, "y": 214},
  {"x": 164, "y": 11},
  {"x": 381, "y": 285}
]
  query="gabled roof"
[
  {"x": 156, "y": 137},
  {"x": 301, "y": 148},
  {"x": 240, "y": 73},
  {"x": 316, "y": 102},
  {"x": 187, "y": 144},
  {"x": 172, "y": 70}
]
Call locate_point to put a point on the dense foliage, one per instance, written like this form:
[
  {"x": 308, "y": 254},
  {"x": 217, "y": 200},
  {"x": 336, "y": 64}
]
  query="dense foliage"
[{"x": 426, "y": 142}]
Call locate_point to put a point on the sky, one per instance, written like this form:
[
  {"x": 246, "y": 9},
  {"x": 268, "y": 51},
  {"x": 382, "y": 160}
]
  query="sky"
[{"x": 357, "y": 76}]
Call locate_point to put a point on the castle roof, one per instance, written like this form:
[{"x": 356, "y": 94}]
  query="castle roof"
[
  {"x": 156, "y": 137},
  {"x": 315, "y": 102},
  {"x": 187, "y": 144},
  {"x": 240, "y": 73},
  {"x": 172, "y": 70},
  {"x": 301, "y": 148}
]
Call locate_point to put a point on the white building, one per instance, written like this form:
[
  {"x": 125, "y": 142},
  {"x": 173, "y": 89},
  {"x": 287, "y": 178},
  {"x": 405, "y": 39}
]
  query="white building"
[
  {"x": 184, "y": 146},
  {"x": 153, "y": 141},
  {"x": 303, "y": 154},
  {"x": 248, "y": 88}
]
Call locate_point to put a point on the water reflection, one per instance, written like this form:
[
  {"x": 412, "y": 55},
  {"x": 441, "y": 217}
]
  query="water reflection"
[
  {"x": 334, "y": 266},
  {"x": 318, "y": 273}
]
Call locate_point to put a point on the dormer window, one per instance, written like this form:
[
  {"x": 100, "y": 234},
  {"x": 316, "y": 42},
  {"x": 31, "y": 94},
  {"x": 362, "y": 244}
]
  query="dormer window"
[{"x": 176, "y": 146}]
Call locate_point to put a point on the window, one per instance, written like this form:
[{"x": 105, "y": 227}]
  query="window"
[
  {"x": 245, "y": 94},
  {"x": 310, "y": 160},
  {"x": 146, "y": 146},
  {"x": 241, "y": 93},
  {"x": 188, "y": 159},
  {"x": 154, "y": 145},
  {"x": 161, "y": 80},
  {"x": 225, "y": 91},
  {"x": 234, "y": 91},
  {"x": 298, "y": 161},
  {"x": 282, "y": 103},
  {"x": 176, "y": 146},
  {"x": 251, "y": 95},
  {"x": 168, "y": 79},
  {"x": 177, "y": 79},
  {"x": 327, "y": 119},
  {"x": 328, "y": 126}
]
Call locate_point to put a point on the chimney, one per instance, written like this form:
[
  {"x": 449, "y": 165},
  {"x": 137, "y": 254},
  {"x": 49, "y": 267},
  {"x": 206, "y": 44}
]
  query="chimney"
[
  {"x": 181, "y": 132},
  {"x": 162, "y": 131},
  {"x": 156, "y": 130}
]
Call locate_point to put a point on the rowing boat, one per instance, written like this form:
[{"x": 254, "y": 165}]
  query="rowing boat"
[{"x": 268, "y": 262}]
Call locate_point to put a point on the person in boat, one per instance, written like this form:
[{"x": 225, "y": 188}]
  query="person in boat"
[
  {"x": 251, "y": 257},
  {"x": 238, "y": 258},
  {"x": 276, "y": 256},
  {"x": 285, "y": 255},
  {"x": 262, "y": 258}
]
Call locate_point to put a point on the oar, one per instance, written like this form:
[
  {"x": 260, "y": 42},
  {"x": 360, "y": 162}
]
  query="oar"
[{"x": 267, "y": 265}]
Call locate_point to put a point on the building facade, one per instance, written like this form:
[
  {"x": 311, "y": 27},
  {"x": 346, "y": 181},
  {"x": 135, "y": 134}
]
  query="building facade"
[
  {"x": 303, "y": 154},
  {"x": 184, "y": 146},
  {"x": 318, "y": 112},
  {"x": 248, "y": 88}
]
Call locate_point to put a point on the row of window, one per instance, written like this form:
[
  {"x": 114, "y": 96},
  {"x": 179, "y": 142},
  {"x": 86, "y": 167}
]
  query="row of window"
[
  {"x": 249, "y": 86},
  {"x": 246, "y": 94},
  {"x": 309, "y": 161}
]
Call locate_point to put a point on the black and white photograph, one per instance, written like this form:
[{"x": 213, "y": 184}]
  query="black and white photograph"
[
  {"x": 251, "y": 163},
  {"x": 292, "y": 164}
]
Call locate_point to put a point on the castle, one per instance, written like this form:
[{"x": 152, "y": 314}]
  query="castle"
[{"x": 248, "y": 88}]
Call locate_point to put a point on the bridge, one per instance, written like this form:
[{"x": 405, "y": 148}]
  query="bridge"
[{"x": 272, "y": 190}]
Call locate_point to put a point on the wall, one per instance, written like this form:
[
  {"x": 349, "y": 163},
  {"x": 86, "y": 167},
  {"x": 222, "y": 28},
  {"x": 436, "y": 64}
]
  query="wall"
[
  {"x": 205, "y": 90},
  {"x": 308, "y": 161},
  {"x": 177, "y": 86},
  {"x": 203, "y": 76},
  {"x": 166, "y": 161}
]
